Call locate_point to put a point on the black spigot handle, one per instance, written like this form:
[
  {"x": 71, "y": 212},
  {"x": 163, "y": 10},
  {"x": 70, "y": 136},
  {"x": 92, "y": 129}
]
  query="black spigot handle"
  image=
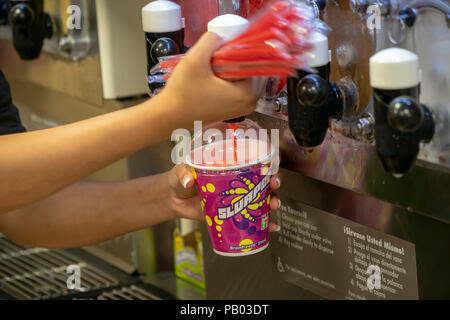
[
  {"x": 313, "y": 100},
  {"x": 428, "y": 127},
  {"x": 312, "y": 91},
  {"x": 321, "y": 4},
  {"x": 5, "y": 6},
  {"x": 30, "y": 26},
  {"x": 336, "y": 101},
  {"x": 409, "y": 16},
  {"x": 401, "y": 124},
  {"x": 48, "y": 26},
  {"x": 21, "y": 16},
  {"x": 405, "y": 114}
]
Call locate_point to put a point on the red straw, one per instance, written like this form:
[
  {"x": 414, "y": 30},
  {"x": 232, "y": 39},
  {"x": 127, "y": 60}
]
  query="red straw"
[{"x": 273, "y": 45}]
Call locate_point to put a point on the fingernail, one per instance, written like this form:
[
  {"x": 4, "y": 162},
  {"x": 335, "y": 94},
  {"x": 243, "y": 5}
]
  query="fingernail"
[
  {"x": 186, "y": 182},
  {"x": 278, "y": 181},
  {"x": 279, "y": 203},
  {"x": 277, "y": 229}
]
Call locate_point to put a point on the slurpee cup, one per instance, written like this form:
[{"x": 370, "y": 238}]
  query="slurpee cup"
[{"x": 235, "y": 192}]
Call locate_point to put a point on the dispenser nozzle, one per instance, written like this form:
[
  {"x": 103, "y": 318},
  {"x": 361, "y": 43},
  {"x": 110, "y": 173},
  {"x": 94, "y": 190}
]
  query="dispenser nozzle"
[
  {"x": 30, "y": 26},
  {"x": 401, "y": 121}
]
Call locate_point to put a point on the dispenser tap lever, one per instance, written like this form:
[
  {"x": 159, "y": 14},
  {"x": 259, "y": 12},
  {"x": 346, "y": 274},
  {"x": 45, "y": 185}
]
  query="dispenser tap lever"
[
  {"x": 401, "y": 121},
  {"x": 405, "y": 114}
]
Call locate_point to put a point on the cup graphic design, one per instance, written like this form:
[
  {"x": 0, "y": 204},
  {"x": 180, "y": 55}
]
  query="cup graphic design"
[{"x": 235, "y": 201}]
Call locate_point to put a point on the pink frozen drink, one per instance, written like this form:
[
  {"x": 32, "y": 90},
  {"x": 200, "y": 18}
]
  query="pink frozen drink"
[{"x": 235, "y": 194}]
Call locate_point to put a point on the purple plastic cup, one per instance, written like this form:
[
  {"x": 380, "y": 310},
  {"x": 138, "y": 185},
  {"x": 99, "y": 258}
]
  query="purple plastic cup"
[{"x": 235, "y": 200}]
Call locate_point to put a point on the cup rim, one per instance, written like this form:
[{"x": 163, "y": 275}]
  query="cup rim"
[{"x": 229, "y": 168}]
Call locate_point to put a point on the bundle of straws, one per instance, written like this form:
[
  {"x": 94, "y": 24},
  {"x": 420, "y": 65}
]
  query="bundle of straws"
[{"x": 275, "y": 43}]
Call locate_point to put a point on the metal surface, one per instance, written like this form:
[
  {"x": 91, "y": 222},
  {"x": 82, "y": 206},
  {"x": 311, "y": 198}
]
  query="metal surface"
[
  {"x": 174, "y": 286},
  {"x": 63, "y": 87},
  {"x": 79, "y": 80},
  {"x": 42, "y": 274},
  {"x": 311, "y": 240},
  {"x": 41, "y": 109},
  {"x": 351, "y": 44},
  {"x": 54, "y": 91},
  {"x": 119, "y": 252},
  {"x": 128, "y": 293},
  {"x": 246, "y": 278},
  {"x": 354, "y": 165},
  {"x": 73, "y": 43},
  {"x": 344, "y": 176},
  {"x": 429, "y": 38},
  {"x": 154, "y": 245},
  {"x": 70, "y": 40},
  {"x": 255, "y": 277},
  {"x": 55, "y": 69},
  {"x": 429, "y": 235}
]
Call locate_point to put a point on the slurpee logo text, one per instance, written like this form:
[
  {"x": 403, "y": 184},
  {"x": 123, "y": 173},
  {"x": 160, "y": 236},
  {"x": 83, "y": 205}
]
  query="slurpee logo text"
[{"x": 241, "y": 204}]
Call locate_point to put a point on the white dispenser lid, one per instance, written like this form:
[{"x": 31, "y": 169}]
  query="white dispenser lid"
[
  {"x": 319, "y": 55},
  {"x": 394, "y": 68},
  {"x": 161, "y": 16},
  {"x": 228, "y": 26}
]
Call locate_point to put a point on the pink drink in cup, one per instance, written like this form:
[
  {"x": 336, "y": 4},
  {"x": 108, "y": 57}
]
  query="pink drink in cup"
[{"x": 235, "y": 195}]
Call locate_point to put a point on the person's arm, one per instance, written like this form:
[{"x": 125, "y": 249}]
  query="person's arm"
[
  {"x": 38, "y": 164},
  {"x": 87, "y": 213}
]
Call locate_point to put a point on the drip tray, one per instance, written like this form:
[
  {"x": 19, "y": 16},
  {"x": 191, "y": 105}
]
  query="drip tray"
[{"x": 41, "y": 274}]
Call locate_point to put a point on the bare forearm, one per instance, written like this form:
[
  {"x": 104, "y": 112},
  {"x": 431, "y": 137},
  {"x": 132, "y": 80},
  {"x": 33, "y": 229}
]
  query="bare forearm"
[
  {"x": 37, "y": 164},
  {"x": 87, "y": 213}
]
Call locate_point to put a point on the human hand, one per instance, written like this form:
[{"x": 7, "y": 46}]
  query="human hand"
[
  {"x": 200, "y": 95},
  {"x": 184, "y": 199}
]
